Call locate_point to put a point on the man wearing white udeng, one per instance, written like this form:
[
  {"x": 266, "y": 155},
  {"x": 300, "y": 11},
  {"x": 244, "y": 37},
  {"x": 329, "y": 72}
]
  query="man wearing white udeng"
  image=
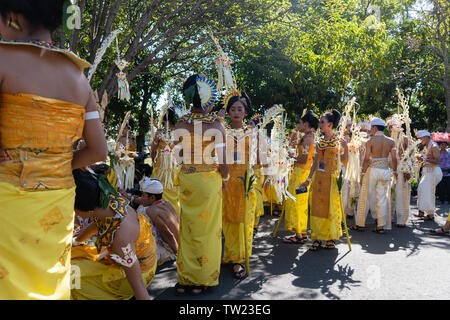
[{"x": 431, "y": 176}]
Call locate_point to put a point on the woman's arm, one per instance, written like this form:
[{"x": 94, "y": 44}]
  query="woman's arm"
[
  {"x": 131, "y": 267},
  {"x": 94, "y": 137},
  {"x": 87, "y": 232}
]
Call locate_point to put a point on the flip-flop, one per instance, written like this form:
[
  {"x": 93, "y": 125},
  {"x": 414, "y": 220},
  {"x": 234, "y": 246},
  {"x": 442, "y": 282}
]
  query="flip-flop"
[
  {"x": 296, "y": 240},
  {"x": 239, "y": 274},
  {"x": 428, "y": 218},
  {"x": 358, "y": 228},
  {"x": 331, "y": 245},
  {"x": 379, "y": 231},
  {"x": 315, "y": 248}
]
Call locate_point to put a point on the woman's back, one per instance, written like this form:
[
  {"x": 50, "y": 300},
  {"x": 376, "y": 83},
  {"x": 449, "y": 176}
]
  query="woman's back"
[{"x": 38, "y": 71}]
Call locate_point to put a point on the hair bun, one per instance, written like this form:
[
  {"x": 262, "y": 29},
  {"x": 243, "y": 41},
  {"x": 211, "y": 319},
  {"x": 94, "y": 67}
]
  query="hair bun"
[{"x": 336, "y": 117}]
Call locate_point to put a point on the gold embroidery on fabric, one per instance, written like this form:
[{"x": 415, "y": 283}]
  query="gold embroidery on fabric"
[
  {"x": 3, "y": 272},
  {"x": 63, "y": 258},
  {"x": 205, "y": 216},
  {"x": 215, "y": 275},
  {"x": 51, "y": 219},
  {"x": 202, "y": 261}
]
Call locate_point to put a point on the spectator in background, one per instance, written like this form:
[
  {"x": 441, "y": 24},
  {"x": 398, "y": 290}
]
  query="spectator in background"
[{"x": 443, "y": 188}]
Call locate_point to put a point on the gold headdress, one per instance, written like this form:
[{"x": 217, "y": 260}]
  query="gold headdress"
[{"x": 232, "y": 93}]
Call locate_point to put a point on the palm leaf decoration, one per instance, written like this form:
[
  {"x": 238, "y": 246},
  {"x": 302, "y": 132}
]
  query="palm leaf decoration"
[
  {"x": 251, "y": 181},
  {"x": 106, "y": 189}
]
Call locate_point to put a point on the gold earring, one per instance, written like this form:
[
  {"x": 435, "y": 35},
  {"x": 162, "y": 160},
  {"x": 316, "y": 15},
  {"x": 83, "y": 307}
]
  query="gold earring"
[{"x": 14, "y": 25}]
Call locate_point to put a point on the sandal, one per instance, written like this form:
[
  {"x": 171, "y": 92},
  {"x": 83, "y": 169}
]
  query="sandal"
[
  {"x": 428, "y": 218},
  {"x": 330, "y": 244},
  {"x": 201, "y": 289},
  {"x": 441, "y": 231},
  {"x": 241, "y": 273},
  {"x": 315, "y": 247},
  {"x": 379, "y": 231},
  {"x": 182, "y": 287},
  {"x": 400, "y": 225},
  {"x": 296, "y": 240},
  {"x": 358, "y": 228}
]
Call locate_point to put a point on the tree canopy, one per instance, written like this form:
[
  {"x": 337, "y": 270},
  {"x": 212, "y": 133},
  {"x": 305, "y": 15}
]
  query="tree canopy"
[{"x": 314, "y": 54}]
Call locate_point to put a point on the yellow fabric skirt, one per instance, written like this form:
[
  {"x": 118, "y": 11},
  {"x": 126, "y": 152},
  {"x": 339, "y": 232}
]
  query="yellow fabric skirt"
[
  {"x": 94, "y": 280},
  {"x": 296, "y": 212},
  {"x": 325, "y": 220},
  {"x": 35, "y": 239},
  {"x": 169, "y": 194},
  {"x": 200, "y": 245},
  {"x": 234, "y": 246}
]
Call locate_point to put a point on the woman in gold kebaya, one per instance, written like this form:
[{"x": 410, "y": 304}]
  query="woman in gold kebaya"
[
  {"x": 297, "y": 211},
  {"x": 236, "y": 221},
  {"x": 325, "y": 201},
  {"x": 201, "y": 181},
  {"x": 46, "y": 105}
]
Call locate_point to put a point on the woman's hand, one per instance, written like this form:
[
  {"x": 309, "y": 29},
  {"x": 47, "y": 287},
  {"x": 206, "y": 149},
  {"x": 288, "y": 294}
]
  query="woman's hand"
[{"x": 224, "y": 186}]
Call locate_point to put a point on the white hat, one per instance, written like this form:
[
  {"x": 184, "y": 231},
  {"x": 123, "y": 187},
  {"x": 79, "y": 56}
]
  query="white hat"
[
  {"x": 394, "y": 122},
  {"x": 152, "y": 186},
  {"x": 423, "y": 133},
  {"x": 377, "y": 122},
  {"x": 364, "y": 125}
]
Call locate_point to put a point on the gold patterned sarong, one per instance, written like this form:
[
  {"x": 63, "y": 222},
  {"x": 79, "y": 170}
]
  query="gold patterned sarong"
[
  {"x": 296, "y": 219},
  {"x": 325, "y": 201},
  {"x": 200, "y": 246}
]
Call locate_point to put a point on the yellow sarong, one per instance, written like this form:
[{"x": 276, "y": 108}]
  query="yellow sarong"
[
  {"x": 37, "y": 195},
  {"x": 35, "y": 239},
  {"x": 234, "y": 247},
  {"x": 296, "y": 214},
  {"x": 325, "y": 201},
  {"x": 200, "y": 245}
]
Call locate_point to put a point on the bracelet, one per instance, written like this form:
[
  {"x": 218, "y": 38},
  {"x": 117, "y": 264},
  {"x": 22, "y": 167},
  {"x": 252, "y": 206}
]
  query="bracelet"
[
  {"x": 227, "y": 178},
  {"x": 308, "y": 180}
]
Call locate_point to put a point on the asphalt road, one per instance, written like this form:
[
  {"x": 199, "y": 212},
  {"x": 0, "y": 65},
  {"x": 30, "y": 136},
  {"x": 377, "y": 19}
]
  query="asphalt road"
[{"x": 403, "y": 264}]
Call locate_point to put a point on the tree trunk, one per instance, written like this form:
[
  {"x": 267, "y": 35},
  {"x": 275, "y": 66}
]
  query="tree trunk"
[
  {"x": 143, "y": 122},
  {"x": 447, "y": 103}
]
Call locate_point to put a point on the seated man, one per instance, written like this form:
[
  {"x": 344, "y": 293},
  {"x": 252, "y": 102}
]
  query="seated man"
[
  {"x": 121, "y": 262},
  {"x": 164, "y": 220}
]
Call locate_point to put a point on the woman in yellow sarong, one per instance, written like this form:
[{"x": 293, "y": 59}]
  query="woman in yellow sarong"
[
  {"x": 325, "y": 201},
  {"x": 201, "y": 181},
  {"x": 235, "y": 219},
  {"x": 122, "y": 261},
  {"x": 296, "y": 214},
  {"x": 165, "y": 168},
  {"x": 44, "y": 99}
]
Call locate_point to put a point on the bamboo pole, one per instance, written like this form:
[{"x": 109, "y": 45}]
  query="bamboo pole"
[
  {"x": 247, "y": 254},
  {"x": 279, "y": 222}
]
